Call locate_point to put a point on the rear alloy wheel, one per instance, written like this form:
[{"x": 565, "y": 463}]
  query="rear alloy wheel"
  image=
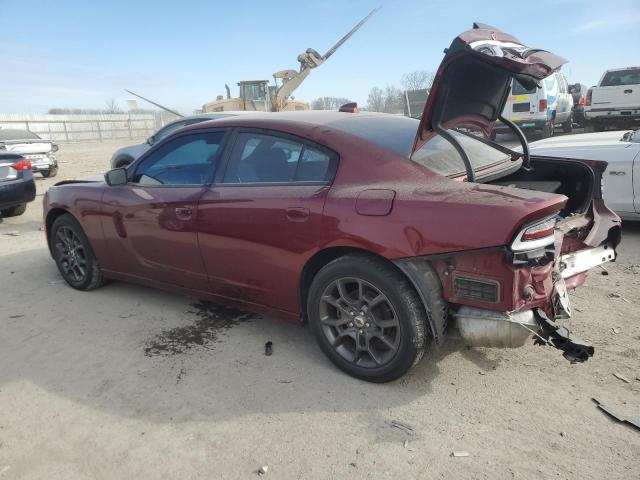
[
  {"x": 73, "y": 254},
  {"x": 14, "y": 211},
  {"x": 367, "y": 318}
]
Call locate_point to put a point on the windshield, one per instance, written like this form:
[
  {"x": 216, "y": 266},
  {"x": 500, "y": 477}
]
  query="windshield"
[
  {"x": 621, "y": 77},
  {"x": 439, "y": 155},
  {"x": 518, "y": 89}
]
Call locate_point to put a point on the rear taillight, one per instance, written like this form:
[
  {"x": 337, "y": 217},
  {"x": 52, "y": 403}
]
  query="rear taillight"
[
  {"x": 588, "y": 100},
  {"x": 21, "y": 165},
  {"x": 582, "y": 100},
  {"x": 543, "y": 105},
  {"x": 536, "y": 235}
]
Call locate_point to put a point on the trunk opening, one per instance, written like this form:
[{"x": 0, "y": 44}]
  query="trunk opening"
[{"x": 570, "y": 178}]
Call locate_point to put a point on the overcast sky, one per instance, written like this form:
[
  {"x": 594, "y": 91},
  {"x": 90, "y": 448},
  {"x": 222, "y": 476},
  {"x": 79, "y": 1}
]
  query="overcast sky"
[{"x": 81, "y": 53}]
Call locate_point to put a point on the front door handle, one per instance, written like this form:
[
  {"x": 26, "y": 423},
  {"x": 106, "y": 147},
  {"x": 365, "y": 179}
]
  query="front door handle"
[
  {"x": 184, "y": 213},
  {"x": 628, "y": 90},
  {"x": 617, "y": 173},
  {"x": 297, "y": 214}
]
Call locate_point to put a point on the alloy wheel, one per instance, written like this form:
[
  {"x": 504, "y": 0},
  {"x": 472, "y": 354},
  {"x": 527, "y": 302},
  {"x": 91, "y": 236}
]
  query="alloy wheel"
[
  {"x": 359, "y": 322},
  {"x": 71, "y": 254}
]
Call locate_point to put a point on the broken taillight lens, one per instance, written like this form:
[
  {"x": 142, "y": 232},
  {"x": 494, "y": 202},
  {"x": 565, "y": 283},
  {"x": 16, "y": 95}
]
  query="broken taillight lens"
[
  {"x": 588, "y": 100},
  {"x": 539, "y": 230}
]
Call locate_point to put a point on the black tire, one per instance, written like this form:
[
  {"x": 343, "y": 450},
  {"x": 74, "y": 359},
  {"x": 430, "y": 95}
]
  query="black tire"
[
  {"x": 398, "y": 346},
  {"x": 567, "y": 127},
  {"x": 599, "y": 126},
  {"x": 14, "y": 211},
  {"x": 547, "y": 130},
  {"x": 80, "y": 270},
  {"x": 52, "y": 172}
]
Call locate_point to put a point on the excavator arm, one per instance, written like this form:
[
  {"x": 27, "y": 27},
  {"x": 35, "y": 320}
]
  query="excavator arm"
[{"x": 310, "y": 59}]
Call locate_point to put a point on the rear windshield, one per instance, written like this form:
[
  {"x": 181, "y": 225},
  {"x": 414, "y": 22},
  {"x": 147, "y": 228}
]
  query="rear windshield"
[
  {"x": 11, "y": 134},
  {"x": 397, "y": 133},
  {"x": 518, "y": 89},
  {"x": 439, "y": 155},
  {"x": 621, "y": 77}
]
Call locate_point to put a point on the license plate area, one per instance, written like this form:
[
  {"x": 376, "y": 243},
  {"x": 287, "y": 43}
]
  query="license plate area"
[{"x": 577, "y": 262}]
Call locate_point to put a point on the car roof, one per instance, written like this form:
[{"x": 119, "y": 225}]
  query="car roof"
[{"x": 394, "y": 132}]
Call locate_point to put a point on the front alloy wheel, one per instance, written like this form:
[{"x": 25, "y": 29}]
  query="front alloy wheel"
[{"x": 73, "y": 254}]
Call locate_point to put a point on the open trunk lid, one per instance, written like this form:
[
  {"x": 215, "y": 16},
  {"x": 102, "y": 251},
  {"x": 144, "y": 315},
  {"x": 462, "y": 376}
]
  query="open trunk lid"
[{"x": 474, "y": 79}]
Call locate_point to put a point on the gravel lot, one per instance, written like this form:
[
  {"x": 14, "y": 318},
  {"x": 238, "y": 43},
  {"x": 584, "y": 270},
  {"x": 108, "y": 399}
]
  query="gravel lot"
[{"x": 113, "y": 383}]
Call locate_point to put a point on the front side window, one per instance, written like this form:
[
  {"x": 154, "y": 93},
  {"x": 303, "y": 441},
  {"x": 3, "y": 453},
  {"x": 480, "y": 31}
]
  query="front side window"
[
  {"x": 186, "y": 160},
  {"x": 261, "y": 158},
  {"x": 439, "y": 155}
]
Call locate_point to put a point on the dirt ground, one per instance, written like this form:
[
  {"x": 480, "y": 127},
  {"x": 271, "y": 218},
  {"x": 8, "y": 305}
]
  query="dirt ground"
[{"x": 128, "y": 382}]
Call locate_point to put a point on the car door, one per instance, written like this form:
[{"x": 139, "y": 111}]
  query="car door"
[
  {"x": 150, "y": 223},
  {"x": 261, "y": 220}
]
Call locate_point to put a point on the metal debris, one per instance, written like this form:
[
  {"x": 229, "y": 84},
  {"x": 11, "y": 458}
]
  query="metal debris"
[
  {"x": 634, "y": 422},
  {"x": 402, "y": 426},
  {"x": 268, "y": 348},
  {"x": 621, "y": 377},
  {"x": 263, "y": 469},
  {"x": 459, "y": 453},
  {"x": 14, "y": 233}
]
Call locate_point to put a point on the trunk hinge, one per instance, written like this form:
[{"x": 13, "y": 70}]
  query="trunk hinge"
[{"x": 575, "y": 350}]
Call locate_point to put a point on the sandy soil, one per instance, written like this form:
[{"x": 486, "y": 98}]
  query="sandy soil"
[{"x": 128, "y": 382}]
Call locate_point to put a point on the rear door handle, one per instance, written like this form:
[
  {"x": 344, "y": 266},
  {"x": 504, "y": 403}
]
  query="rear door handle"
[
  {"x": 297, "y": 214},
  {"x": 628, "y": 90},
  {"x": 617, "y": 173},
  {"x": 184, "y": 213}
]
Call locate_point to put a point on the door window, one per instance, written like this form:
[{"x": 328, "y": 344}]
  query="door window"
[
  {"x": 260, "y": 158},
  {"x": 186, "y": 160}
]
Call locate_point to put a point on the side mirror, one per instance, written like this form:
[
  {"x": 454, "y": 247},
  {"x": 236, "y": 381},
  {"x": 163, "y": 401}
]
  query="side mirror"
[
  {"x": 117, "y": 176},
  {"x": 151, "y": 140}
]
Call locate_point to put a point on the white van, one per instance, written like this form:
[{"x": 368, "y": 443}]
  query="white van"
[{"x": 540, "y": 109}]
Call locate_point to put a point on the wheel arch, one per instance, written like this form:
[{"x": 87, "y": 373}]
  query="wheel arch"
[
  {"x": 52, "y": 215},
  {"x": 329, "y": 254}
]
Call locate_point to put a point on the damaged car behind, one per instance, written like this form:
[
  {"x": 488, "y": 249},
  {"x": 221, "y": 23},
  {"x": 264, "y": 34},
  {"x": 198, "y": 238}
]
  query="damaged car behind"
[
  {"x": 379, "y": 231},
  {"x": 40, "y": 152}
]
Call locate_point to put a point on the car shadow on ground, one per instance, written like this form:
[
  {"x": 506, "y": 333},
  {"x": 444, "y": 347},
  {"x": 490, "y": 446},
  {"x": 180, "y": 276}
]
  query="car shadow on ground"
[{"x": 141, "y": 353}]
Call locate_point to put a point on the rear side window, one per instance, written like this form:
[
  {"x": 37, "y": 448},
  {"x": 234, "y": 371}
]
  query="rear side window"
[
  {"x": 186, "y": 160},
  {"x": 262, "y": 158},
  {"x": 621, "y": 77}
]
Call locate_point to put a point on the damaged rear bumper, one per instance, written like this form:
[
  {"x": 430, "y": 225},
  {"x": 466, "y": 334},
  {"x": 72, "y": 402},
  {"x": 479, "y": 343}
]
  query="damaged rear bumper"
[{"x": 487, "y": 328}]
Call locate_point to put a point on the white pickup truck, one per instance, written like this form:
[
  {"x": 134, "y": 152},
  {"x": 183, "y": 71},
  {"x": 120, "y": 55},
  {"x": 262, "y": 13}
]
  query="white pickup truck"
[{"x": 615, "y": 101}]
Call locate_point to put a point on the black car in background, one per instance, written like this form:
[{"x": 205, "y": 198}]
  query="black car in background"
[
  {"x": 17, "y": 186},
  {"x": 579, "y": 93}
]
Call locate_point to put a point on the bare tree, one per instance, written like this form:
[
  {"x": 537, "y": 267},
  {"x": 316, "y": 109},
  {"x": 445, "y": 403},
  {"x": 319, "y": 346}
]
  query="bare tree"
[
  {"x": 111, "y": 106},
  {"x": 417, "y": 80},
  {"x": 329, "y": 103},
  {"x": 392, "y": 100},
  {"x": 375, "y": 100}
]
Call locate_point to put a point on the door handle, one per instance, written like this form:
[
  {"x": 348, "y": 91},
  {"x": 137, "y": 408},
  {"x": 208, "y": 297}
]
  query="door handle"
[
  {"x": 617, "y": 173},
  {"x": 184, "y": 213},
  {"x": 297, "y": 214},
  {"x": 628, "y": 90}
]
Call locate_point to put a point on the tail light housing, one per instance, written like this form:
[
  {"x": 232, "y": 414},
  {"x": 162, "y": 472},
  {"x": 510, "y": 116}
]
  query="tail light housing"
[
  {"x": 535, "y": 235},
  {"x": 582, "y": 100},
  {"x": 588, "y": 99},
  {"x": 542, "y": 107},
  {"x": 21, "y": 165}
]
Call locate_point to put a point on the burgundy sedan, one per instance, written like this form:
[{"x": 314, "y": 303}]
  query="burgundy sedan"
[{"x": 379, "y": 231}]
